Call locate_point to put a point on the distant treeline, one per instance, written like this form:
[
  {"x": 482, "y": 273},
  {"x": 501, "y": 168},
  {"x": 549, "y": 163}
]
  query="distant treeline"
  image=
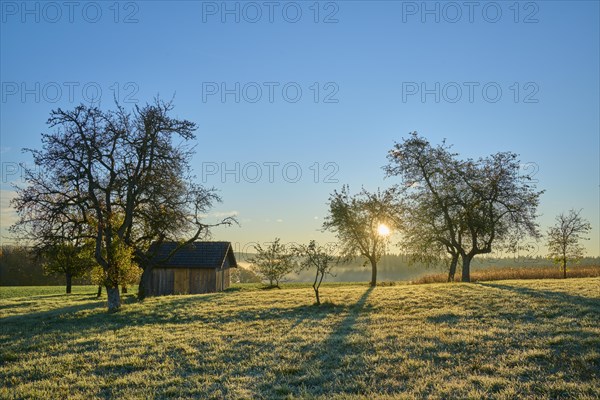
[{"x": 20, "y": 267}]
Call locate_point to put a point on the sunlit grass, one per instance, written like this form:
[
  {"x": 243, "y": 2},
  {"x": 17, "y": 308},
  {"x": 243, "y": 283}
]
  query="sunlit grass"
[
  {"x": 506, "y": 339},
  {"x": 30, "y": 291}
]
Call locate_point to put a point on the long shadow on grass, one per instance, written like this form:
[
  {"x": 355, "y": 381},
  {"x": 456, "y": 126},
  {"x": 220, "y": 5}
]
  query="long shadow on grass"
[
  {"x": 334, "y": 365},
  {"x": 567, "y": 300},
  {"x": 62, "y": 313},
  {"x": 48, "y": 314},
  {"x": 33, "y": 332},
  {"x": 178, "y": 311},
  {"x": 234, "y": 361},
  {"x": 27, "y": 332},
  {"x": 297, "y": 365},
  {"x": 566, "y": 337},
  {"x": 15, "y": 306}
]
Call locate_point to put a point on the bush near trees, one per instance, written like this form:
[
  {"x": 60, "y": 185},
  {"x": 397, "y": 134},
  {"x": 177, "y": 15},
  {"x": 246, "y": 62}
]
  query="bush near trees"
[
  {"x": 244, "y": 275},
  {"x": 128, "y": 272}
]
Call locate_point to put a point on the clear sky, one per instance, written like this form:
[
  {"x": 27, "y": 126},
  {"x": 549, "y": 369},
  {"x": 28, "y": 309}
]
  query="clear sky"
[{"x": 322, "y": 89}]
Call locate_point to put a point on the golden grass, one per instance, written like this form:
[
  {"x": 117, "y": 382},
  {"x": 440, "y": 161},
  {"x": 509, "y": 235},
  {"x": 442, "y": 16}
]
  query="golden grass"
[{"x": 506, "y": 273}]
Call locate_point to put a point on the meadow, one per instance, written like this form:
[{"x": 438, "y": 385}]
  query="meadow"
[{"x": 537, "y": 339}]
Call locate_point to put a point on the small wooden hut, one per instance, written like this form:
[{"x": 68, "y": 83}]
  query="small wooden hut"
[{"x": 200, "y": 267}]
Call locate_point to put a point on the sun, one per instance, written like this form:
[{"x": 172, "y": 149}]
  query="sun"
[{"x": 383, "y": 230}]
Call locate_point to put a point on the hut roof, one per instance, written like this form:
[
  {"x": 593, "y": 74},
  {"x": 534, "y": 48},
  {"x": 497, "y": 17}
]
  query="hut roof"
[{"x": 195, "y": 255}]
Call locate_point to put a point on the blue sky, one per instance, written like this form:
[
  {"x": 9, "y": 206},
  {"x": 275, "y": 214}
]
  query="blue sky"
[{"x": 361, "y": 69}]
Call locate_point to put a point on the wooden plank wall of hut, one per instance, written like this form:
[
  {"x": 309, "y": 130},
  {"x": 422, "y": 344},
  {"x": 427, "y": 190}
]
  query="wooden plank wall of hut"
[
  {"x": 182, "y": 281},
  {"x": 227, "y": 278},
  {"x": 167, "y": 281},
  {"x": 162, "y": 281},
  {"x": 223, "y": 279},
  {"x": 202, "y": 280},
  {"x": 219, "y": 282}
]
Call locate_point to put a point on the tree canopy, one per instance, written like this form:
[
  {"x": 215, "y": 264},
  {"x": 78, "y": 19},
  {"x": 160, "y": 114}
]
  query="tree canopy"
[
  {"x": 357, "y": 220},
  {"x": 464, "y": 206}
]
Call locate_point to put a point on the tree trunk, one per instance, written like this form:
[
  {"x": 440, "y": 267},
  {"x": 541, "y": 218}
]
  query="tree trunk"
[
  {"x": 466, "y": 268},
  {"x": 123, "y": 289},
  {"x": 114, "y": 298},
  {"x": 99, "y": 291},
  {"x": 564, "y": 267},
  {"x": 373, "y": 272},
  {"x": 69, "y": 282},
  {"x": 317, "y": 294},
  {"x": 452, "y": 270},
  {"x": 145, "y": 288}
]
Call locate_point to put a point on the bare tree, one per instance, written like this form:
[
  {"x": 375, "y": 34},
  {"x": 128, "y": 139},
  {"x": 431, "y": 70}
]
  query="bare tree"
[
  {"x": 273, "y": 262},
  {"x": 98, "y": 165},
  {"x": 474, "y": 204},
  {"x": 357, "y": 221},
  {"x": 564, "y": 238},
  {"x": 320, "y": 259}
]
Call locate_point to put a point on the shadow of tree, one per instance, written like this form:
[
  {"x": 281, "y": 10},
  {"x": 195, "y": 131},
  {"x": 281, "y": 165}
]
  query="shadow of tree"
[
  {"x": 567, "y": 299},
  {"x": 446, "y": 318},
  {"x": 573, "y": 333},
  {"x": 63, "y": 312},
  {"x": 69, "y": 296},
  {"x": 339, "y": 360},
  {"x": 30, "y": 331},
  {"x": 283, "y": 321},
  {"x": 15, "y": 305}
]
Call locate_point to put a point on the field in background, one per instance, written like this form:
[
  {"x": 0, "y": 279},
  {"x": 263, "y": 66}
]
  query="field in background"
[
  {"x": 507, "y": 339},
  {"x": 42, "y": 292},
  {"x": 394, "y": 268},
  {"x": 505, "y": 273}
]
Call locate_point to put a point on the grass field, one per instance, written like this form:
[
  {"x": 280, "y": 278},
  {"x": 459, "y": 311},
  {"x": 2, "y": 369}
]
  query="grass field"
[{"x": 503, "y": 339}]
